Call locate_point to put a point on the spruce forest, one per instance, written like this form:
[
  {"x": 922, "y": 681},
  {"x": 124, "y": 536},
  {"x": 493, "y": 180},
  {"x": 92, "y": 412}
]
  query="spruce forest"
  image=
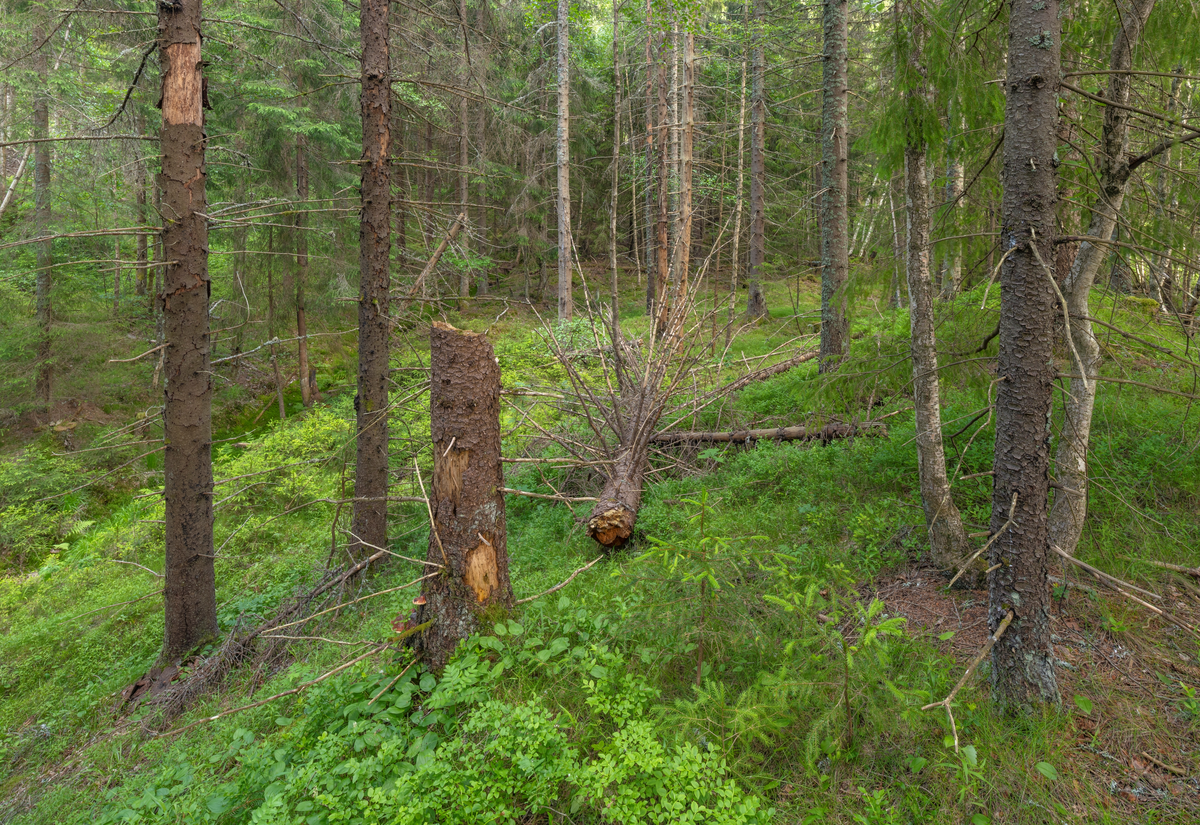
[{"x": 581, "y": 412}]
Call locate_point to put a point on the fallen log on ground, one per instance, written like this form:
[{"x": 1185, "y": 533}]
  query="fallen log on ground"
[{"x": 830, "y": 432}]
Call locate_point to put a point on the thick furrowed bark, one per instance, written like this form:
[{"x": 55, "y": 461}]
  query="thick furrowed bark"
[
  {"x": 371, "y": 403},
  {"x": 190, "y": 591},
  {"x": 1022, "y": 661},
  {"x": 468, "y": 539}
]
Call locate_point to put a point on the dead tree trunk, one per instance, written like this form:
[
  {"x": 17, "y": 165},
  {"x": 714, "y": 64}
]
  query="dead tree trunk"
[
  {"x": 190, "y": 591},
  {"x": 756, "y": 303},
  {"x": 41, "y": 215},
  {"x": 375, "y": 244},
  {"x": 468, "y": 537},
  {"x": 563, "y": 150},
  {"x": 1022, "y": 660},
  {"x": 835, "y": 151}
]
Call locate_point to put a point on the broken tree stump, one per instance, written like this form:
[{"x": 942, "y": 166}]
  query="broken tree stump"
[
  {"x": 830, "y": 432},
  {"x": 467, "y": 539}
]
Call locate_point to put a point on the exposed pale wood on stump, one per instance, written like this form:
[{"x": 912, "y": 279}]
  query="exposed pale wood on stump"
[{"x": 467, "y": 506}]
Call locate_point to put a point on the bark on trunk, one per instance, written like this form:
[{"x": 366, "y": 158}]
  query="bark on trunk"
[
  {"x": 468, "y": 538},
  {"x": 375, "y": 242},
  {"x": 662, "y": 249},
  {"x": 684, "y": 253},
  {"x": 1070, "y": 461},
  {"x": 947, "y": 538},
  {"x": 651, "y": 253},
  {"x": 190, "y": 582},
  {"x": 615, "y": 513},
  {"x": 143, "y": 253},
  {"x": 756, "y": 302},
  {"x": 615, "y": 318},
  {"x": 955, "y": 179},
  {"x": 308, "y": 389},
  {"x": 464, "y": 157},
  {"x": 41, "y": 217},
  {"x": 735, "y": 256},
  {"x": 271, "y": 325},
  {"x": 563, "y": 151},
  {"x": 830, "y": 432},
  {"x": 835, "y": 150},
  {"x": 1022, "y": 660}
]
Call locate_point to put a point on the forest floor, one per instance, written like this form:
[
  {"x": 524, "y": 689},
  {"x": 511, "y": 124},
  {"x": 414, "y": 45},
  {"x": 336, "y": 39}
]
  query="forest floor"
[{"x": 761, "y": 653}]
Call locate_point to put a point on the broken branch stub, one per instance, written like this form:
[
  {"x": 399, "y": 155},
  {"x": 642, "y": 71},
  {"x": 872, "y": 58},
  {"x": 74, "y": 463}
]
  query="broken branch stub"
[{"x": 468, "y": 536}]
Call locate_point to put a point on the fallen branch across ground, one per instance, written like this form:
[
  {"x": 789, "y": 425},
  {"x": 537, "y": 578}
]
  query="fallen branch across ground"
[
  {"x": 830, "y": 432},
  {"x": 987, "y": 648}
]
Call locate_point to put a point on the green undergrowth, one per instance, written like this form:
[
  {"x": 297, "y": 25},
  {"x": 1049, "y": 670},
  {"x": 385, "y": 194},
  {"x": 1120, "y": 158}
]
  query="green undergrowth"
[{"x": 729, "y": 666}]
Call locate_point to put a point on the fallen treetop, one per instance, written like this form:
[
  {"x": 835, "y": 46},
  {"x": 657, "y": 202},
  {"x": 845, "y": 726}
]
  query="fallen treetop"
[{"x": 871, "y": 429}]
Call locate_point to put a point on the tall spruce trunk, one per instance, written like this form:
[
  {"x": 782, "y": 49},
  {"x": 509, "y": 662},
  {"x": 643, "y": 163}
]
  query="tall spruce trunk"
[
  {"x": 307, "y": 385},
  {"x": 563, "y": 152},
  {"x": 375, "y": 246},
  {"x": 190, "y": 580},
  {"x": 1070, "y": 460},
  {"x": 947, "y": 538},
  {"x": 1023, "y": 660},
  {"x": 835, "y": 151},
  {"x": 41, "y": 217},
  {"x": 756, "y": 302},
  {"x": 662, "y": 246},
  {"x": 467, "y": 544}
]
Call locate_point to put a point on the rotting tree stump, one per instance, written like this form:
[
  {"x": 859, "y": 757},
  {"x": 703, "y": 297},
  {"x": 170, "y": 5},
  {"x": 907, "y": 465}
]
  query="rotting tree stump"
[{"x": 468, "y": 538}]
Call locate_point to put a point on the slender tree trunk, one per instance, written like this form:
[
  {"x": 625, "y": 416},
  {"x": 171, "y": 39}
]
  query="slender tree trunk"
[
  {"x": 1070, "y": 461},
  {"x": 898, "y": 246},
  {"x": 651, "y": 234},
  {"x": 307, "y": 386},
  {"x": 738, "y": 200},
  {"x": 616, "y": 177},
  {"x": 375, "y": 245},
  {"x": 190, "y": 581},
  {"x": 662, "y": 245},
  {"x": 41, "y": 217},
  {"x": 1023, "y": 660},
  {"x": 756, "y": 302},
  {"x": 952, "y": 255},
  {"x": 464, "y": 156},
  {"x": 272, "y": 327},
  {"x": 1160, "y": 268},
  {"x": 563, "y": 152},
  {"x": 685, "y": 162},
  {"x": 835, "y": 150},
  {"x": 481, "y": 59},
  {"x": 947, "y": 538},
  {"x": 116, "y": 276},
  {"x": 468, "y": 539},
  {"x": 143, "y": 256}
]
